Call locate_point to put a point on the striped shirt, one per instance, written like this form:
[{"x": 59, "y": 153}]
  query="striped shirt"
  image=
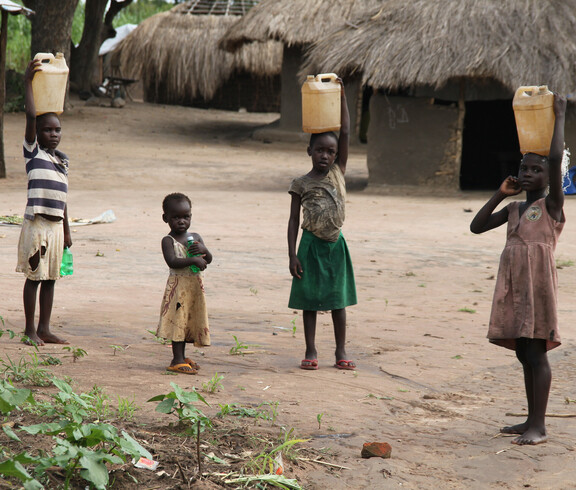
[{"x": 47, "y": 181}]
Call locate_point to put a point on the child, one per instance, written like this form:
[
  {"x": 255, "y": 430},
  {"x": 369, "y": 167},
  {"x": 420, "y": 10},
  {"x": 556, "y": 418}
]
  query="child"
[
  {"x": 323, "y": 278},
  {"x": 45, "y": 230},
  {"x": 183, "y": 315},
  {"x": 524, "y": 307}
]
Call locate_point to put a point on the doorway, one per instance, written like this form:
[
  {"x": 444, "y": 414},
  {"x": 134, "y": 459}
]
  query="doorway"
[{"x": 490, "y": 148}]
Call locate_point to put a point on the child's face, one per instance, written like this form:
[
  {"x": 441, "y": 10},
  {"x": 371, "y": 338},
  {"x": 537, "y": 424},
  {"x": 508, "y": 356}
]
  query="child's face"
[
  {"x": 49, "y": 132},
  {"x": 533, "y": 174},
  {"x": 323, "y": 152},
  {"x": 178, "y": 216}
]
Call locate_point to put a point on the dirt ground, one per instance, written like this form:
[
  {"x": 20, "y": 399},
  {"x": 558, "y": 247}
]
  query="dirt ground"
[{"x": 427, "y": 382}]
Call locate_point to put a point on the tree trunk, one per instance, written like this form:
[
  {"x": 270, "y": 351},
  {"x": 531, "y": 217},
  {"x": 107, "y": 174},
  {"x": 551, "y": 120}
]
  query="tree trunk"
[
  {"x": 51, "y": 26},
  {"x": 3, "y": 38},
  {"x": 85, "y": 57}
]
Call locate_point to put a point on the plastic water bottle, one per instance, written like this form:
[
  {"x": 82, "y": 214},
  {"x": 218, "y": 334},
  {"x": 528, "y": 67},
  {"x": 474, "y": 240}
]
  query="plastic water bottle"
[
  {"x": 193, "y": 268},
  {"x": 66, "y": 267}
]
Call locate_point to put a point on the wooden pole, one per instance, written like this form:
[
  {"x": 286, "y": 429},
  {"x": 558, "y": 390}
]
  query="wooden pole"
[{"x": 3, "y": 38}]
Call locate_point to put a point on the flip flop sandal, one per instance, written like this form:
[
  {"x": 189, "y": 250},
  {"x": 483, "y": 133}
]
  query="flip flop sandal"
[
  {"x": 182, "y": 369},
  {"x": 345, "y": 365},
  {"x": 193, "y": 365},
  {"x": 309, "y": 364}
]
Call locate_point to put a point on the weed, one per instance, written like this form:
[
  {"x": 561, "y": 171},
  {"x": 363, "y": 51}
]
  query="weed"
[
  {"x": 458, "y": 356},
  {"x": 77, "y": 352},
  {"x": 100, "y": 403},
  {"x": 560, "y": 264},
  {"x": 214, "y": 384},
  {"x": 239, "y": 349},
  {"x": 293, "y": 322},
  {"x": 180, "y": 403},
  {"x": 238, "y": 411},
  {"x": 273, "y": 410},
  {"x": 160, "y": 340},
  {"x": 28, "y": 372},
  {"x": 264, "y": 462},
  {"x": 467, "y": 310},
  {"x": 319, "y": 419},
  {"x": 254, "y": 291},
  {"x": 117, "y": 348},
  {"x": 48, "y": 360},
  {"x": 372, "y": 395},
  {"x": 127, "y": 408},
  {"x": 410, "y": 274}
]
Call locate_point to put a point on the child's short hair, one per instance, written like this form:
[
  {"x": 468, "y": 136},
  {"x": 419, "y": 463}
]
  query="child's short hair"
[
  {"x": 315, "y": 136},
  {"x": 174, "y": 197},
  {"x": 40, "y": 119}
]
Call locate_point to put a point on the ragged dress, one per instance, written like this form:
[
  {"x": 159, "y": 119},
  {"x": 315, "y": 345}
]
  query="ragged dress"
[
  {"x": 525, "y": 296},
  {"x": 183, "y": 315}
]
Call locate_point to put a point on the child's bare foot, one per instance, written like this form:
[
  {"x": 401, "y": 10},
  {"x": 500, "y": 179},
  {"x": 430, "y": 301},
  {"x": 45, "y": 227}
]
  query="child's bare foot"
[
  {"x": 530, "y": 438},
  {"x": 32, "y": 339},
  {"x": 50, "y": 338},
  {"x": 515, "y": 429}
]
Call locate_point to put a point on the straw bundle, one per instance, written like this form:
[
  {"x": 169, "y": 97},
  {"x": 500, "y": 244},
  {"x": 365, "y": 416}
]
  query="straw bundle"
[{"x": 429, "y": 42}]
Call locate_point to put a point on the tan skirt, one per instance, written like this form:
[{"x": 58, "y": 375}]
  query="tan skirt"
[
  {"x": 44, "y": 236},
  {"x": 183, "y": 314}
]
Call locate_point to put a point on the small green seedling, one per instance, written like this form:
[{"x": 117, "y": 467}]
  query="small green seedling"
[
  {"x": 319, "y": 419},
  {"x": 214, "y": 384},
  {"x": 76, "y": 352},
  {"x": 117, "y": 348},
  {"x": 467, "y": 310},
  {"x": 254, "y": 291},
  {"x": 160, "y": 340},
  {"x": 239, "y": 349},
  {"x": 127, "y": 408},
  {"x": 293, "y": 322}
]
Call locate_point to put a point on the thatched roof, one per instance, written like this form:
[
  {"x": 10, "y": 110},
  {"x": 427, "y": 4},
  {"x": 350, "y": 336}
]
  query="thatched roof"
[
  {"x": 428, "y": 42},
  {"x": 178, "y": 51},
  {"x": 292, "y": 21}
]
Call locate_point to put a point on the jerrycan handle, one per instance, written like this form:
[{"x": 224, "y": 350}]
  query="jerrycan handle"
[
  {"x": 326, "y": 77},
  {"x": 44, "y": 57}
]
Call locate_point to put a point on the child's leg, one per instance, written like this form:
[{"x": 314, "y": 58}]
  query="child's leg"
[
  {"x": 339, "y": 320},
  {"x": 46, "y": 302},
  {"x": 29, "y": 296},
  {"x": 178, "y": 358},
  {"x": 309, "y": 319},
  {"x": 538, "y": 377}
]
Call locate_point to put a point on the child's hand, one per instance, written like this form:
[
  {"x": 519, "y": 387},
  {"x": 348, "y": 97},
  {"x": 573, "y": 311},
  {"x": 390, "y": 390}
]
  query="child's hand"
[
  {"x": 559, "y": 104},
  {"x": 295, "y": 268},
  {"x": 510, "y": 186},
  {"x": 199, "y": 262},
  {"x": 197, "y": 248},
  {"x": 33, "y": 67}
]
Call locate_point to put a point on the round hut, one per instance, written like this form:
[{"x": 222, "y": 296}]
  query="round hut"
[
  {"x": 296, "y": 24},
  {"x": 444, "y": 74},
  {"x": 176, "y": 56}
]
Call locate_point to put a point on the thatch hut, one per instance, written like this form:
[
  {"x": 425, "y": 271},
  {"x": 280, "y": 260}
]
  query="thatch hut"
[
  {"x": 176, "y": 55},
  {"x": 445, "y": 72},
  {"x": 296, "y": 24}
]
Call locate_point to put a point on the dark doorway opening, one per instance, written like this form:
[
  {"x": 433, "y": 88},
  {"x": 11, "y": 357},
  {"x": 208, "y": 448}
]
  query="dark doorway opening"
[{"x": 490, "y": 149}]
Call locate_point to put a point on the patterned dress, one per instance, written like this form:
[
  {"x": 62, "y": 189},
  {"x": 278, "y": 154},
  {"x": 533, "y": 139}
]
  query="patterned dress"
[
  {"x": 183, "y": 314},
  {"x": 525, "y": 296}
]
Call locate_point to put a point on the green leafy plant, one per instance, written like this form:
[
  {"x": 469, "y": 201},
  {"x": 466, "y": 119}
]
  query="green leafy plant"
[
  {"x": 117, "y": 348},
  {"x": 319, "y": 419},
  {"x": 293, "y": 322},
  {"x": 181, "y": 404},
  {"x": 264, "y": 462},
  {"x": 26, "y": 371},
  {"x": 160, "y": 340},
  {"x": 77, "y": 352},
  {"x": 236, "y": 410},
  {"x": 214, "y": 384},
  {"x": 239, "y": 349},
  {"x": 127, "y": 408},
  {"x": 99, "y": 403}
]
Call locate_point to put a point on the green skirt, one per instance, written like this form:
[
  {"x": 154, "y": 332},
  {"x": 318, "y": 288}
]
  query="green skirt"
[{"x": 327, "y": 281}]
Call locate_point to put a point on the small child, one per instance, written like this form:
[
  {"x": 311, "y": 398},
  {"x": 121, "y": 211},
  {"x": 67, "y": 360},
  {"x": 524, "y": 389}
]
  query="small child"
[
  {"x": 323, "y": 277},
  {"x": 523, "y": 314},
  {"x": 45, "y": 230},
  {"x": 183, "y": 315}
]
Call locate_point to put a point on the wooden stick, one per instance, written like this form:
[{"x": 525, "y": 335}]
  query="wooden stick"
[
  {"x": 327, "y": 464},
  {"x": 559, "y": 415}
]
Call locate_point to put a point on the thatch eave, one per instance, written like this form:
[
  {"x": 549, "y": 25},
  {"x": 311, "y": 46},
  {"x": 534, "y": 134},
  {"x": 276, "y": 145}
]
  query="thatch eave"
[{"x": 517, "y": 42}]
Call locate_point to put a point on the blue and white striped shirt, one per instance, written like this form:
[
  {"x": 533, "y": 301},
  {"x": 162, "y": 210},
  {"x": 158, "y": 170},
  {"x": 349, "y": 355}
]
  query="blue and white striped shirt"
[{"x": 47, "y": 181}]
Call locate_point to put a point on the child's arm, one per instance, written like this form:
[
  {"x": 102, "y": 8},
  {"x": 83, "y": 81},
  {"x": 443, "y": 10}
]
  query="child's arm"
[
  {"x": 344, "y": 137},
  {"x": 293, "y": 225},
  {"x": 179, "y": 262},
  {"x": 486, "y": 219},
  {"x": 31, "y": 69},
  {"x": 67, "y": 235},
  {"x": 555, "y": 198},
  {"x": 198, "y": 247}
]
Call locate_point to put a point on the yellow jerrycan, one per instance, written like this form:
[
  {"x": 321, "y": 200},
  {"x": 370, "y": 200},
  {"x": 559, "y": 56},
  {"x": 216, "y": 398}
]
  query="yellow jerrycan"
[
  {"x": 534, "y": 113},
  {"x": 321, "y": 103},
  {"x": 49, "y": 84}
]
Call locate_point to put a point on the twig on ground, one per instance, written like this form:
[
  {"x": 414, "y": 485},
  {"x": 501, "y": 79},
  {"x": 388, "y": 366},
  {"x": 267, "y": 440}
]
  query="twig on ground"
[{"x": 559, "y": 415}]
